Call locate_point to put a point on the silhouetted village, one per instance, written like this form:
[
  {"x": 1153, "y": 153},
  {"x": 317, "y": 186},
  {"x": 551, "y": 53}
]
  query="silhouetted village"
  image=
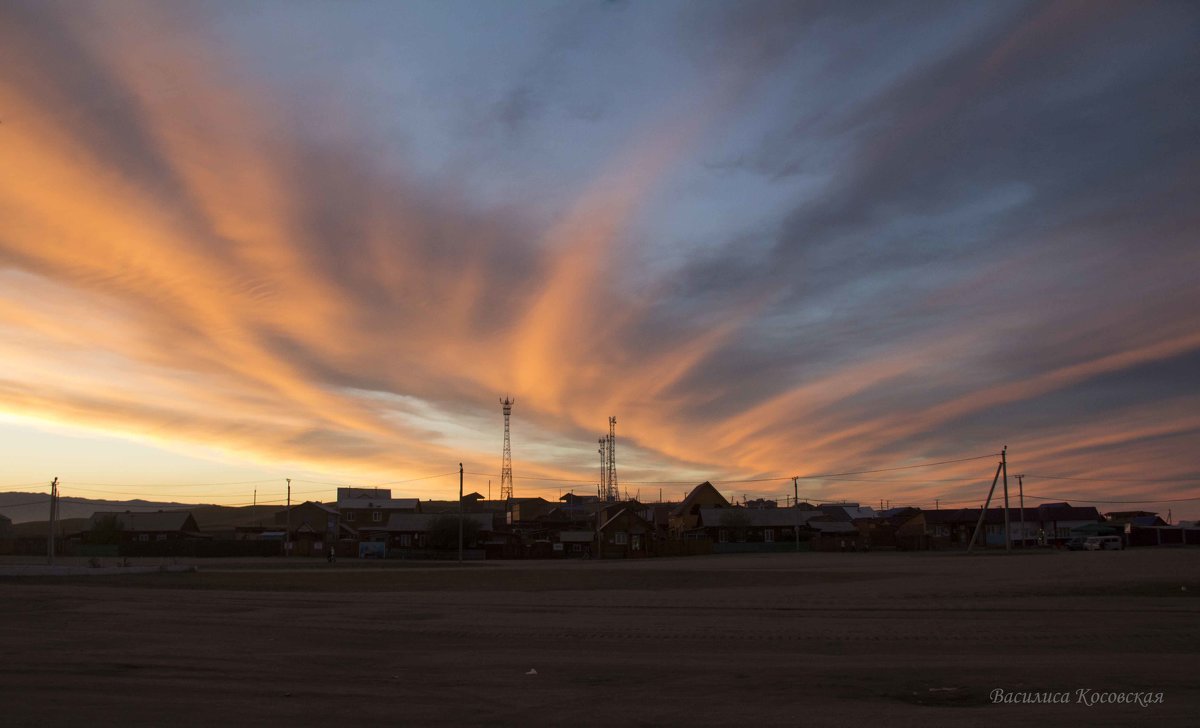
[{"x": 369, "y": 523}]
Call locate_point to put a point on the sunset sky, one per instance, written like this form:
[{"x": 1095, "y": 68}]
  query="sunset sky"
[{"x": 247, "y": 241}]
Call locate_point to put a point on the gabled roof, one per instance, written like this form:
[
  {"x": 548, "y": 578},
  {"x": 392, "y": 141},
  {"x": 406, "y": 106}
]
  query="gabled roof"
[
  {"x": 705, "y": 488},
  {"x": 314, "y": 504},
  {"x": 623, "y": 512}
]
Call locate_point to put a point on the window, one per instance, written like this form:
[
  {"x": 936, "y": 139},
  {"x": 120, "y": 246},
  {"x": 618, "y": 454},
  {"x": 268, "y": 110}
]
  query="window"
[
  {"x": 405, "y": 540},
  {"x": 622, "y": 538},
  {"x": 349, "y": 515},
  {"x": 637, "y": 542},
  {"x": 576, "y": 547},
  {"x": 376, "y": 516},
  {"x": 723, "y": 536},
  {"x": 769, "y": 535},
  {"x": 160, "y": 537}
]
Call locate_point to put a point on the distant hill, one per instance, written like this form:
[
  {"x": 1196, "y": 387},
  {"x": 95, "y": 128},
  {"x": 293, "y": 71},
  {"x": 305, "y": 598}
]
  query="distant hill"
[
  {"x": 214, "y": 518},
  {"x": 32, "y": 510},
  {"x": 26, "y": 507}
]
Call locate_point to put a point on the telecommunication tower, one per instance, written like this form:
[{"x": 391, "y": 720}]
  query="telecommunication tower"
[
  {"x": 506, "y": 480},
  {"x": 614, "y": 493},
  {"x": 603, "y": 467}
]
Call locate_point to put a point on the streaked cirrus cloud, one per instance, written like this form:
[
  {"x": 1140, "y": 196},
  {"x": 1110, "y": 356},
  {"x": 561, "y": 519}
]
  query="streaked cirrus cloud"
[{"x": 771, "y": 238}]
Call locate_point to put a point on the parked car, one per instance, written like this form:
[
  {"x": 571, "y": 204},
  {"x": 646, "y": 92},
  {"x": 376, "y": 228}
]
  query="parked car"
[
  {"x": 1076, "y": 543},
  {"x": 1103, "y": 543}
]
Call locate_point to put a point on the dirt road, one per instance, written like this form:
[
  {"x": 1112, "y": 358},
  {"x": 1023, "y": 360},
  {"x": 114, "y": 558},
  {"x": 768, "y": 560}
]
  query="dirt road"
[{"x": 778, "y": 639}]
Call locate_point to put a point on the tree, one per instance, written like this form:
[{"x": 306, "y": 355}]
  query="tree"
[
  {"x": 106, "y": 529},
  {"x": 443, "y": 532}
]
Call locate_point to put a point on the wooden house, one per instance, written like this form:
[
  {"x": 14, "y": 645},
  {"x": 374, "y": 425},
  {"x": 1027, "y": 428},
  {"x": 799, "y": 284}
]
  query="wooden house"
[
  {"x": 686, "y": 516},
  {"x": 625, "y": 535}
]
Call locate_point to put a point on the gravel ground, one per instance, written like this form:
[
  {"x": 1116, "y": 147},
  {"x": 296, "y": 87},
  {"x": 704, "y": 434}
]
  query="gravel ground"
[{"x": 777, "y": 639}]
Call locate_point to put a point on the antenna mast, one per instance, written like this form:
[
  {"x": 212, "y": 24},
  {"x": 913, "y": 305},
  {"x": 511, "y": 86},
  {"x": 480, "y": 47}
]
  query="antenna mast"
[
  {"x": 614, "y": 493},
  {"x": 506, "y": 483},
  {"x": 603, "y": 492}
]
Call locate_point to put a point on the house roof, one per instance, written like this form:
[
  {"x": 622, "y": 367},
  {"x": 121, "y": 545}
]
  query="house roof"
[
  {"x": 395, "y": 504},
  {"x": 703, "y": 488},
  {"x": 622, "y": 512},
  {"x": 314, "y": 504},
  {"x": 757, "y": 517},
  {"x": 420, "y": 522},
  {"x": 149, "y": 522},
  {"x": 833, "y": 526},
  {"x": 847, "y": 511},
  {"x": 1047, "y": 512},
  {"x": 1067, "y": 512},
  {"x": 1147, "y": 521},
  {"x": 568, "y": 514}
]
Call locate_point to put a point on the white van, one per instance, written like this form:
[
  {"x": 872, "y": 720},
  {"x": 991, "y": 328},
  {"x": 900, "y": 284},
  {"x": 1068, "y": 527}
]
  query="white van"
[{"x": 1103, "y": 543}]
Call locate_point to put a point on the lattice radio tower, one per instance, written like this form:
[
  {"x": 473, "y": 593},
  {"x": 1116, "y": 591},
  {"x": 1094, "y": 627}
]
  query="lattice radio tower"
[
  {"x": 603, "y": 492},
  {"x": 506, "y": 484},
  {"x": 614, "y": 493}
]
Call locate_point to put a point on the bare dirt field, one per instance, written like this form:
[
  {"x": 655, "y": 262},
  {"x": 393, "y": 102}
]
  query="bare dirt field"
[{"x": 772, "y": 639}]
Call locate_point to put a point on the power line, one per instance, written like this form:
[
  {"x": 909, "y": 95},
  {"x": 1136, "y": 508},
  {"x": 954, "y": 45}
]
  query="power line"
[
  {"x": 902, "y": 467},
  {"x": 1129, "y": 502},
  {"x": 771, "y": 478},
  {"x": 342, "y": 483},
  {"x": 175, "y": 485},
  {"x": 1114, "y": 480}
]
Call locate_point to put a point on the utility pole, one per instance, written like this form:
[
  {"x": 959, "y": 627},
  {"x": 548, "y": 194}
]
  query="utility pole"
[
  {"x": 1004, "y": 465},
  {"x": 1021, "y": 490},
  {"x": 287, "y": 536},
  {"x": 796, "y": 505},
  {"x": 460, "y": 513},
  {"x": 599, "y": 544},
  {"x": 53, "y": 519},
  {"x": 983, "y": 513}
]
